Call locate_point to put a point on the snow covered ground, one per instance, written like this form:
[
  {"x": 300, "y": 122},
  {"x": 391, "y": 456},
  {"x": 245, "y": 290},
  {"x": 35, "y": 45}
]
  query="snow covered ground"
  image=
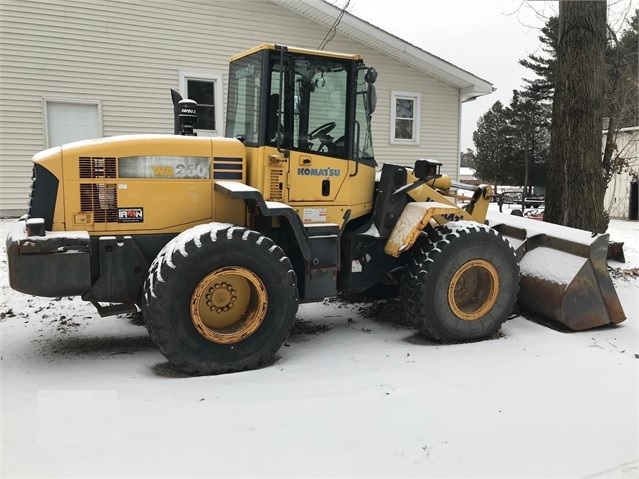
[{"x": 349, "y": 395}]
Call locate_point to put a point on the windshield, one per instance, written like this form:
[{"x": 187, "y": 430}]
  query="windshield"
[
  {"x": 320, "y": 118},
  {"x": 243, "y": 109},
  {"x": 316, "y": 112}
]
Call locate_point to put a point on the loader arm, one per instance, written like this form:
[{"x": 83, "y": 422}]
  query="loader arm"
[
  {"x": 433, "y": 205},
  {"x": 439, "y": 190}
]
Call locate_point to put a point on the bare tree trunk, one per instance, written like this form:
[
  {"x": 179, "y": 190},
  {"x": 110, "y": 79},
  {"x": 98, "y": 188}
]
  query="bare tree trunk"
[
  {"x": 576, "y": 184},
  {"x": 609, "y": 150}
]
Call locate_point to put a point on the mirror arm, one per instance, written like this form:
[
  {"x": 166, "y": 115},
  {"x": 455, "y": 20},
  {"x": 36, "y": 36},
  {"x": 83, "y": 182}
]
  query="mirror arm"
[{"x": 355, "y": 152}]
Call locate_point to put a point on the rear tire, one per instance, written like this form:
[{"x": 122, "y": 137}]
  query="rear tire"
[
  {"x": 220, "y": 299},
  {"x": 461, "y": 282}
]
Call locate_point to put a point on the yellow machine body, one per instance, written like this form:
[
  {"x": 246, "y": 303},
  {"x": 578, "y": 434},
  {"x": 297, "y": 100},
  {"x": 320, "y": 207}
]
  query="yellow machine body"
[
  {"x": 284, "y": 180},
  {"x": 141, "y": 184}
]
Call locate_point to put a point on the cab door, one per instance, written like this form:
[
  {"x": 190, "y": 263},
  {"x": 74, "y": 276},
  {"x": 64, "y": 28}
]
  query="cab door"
[
  {"x": 315, "y": 178},
  {"x": 318, "y": 165}
]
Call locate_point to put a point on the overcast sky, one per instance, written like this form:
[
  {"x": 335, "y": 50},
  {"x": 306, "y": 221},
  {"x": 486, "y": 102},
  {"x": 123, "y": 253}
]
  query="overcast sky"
[{"x": 484, "y": 37}]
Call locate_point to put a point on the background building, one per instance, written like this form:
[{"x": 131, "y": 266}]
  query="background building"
[
  {"x": 75, "y": 69},
  {"x": 622, "y": 195}
]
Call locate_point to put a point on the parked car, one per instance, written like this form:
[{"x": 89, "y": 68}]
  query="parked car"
[
  {"x": 514, "y": 197},
  {"x": 511, "y": 197},
  {"x": 534, "y": 201}
]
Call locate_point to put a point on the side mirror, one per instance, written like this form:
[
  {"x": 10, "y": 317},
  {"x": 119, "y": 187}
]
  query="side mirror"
[
  {"x": 371, "y": 76},
  {"x": 372, "y": 98}
]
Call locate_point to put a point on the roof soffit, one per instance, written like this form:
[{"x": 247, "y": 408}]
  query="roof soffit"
[{"x": 324, "y": 13}]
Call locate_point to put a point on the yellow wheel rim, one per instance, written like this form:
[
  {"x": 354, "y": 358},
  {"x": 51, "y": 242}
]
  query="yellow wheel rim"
[
  {"x": 228, "y": 305},
  {"x": 473, "y": 290}
]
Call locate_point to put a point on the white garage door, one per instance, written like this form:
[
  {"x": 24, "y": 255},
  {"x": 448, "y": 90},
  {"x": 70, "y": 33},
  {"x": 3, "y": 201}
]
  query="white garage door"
[{"x": 67, "y": 122}]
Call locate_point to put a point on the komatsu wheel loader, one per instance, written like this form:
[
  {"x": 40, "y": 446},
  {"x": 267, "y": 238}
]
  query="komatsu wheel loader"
[{"x": 217, "y": 240}]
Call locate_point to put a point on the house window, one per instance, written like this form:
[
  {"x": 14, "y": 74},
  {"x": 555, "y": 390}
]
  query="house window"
[
  {"x": 405, "y": 113},
  {"x": 206, "y": 90}
]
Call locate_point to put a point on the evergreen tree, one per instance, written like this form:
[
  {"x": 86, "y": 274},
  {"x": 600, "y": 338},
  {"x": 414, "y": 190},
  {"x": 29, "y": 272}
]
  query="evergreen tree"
[
  {"x": 467, "y": 158},
  {"x": 512, "y": 143},
  {"x": 544, "y": 66},
  {"x": 491, "y": 141},
  {"x": 530, "y": 141},
  {"x": 524, "y": 141},
  {"x": 621, "y": 104}
]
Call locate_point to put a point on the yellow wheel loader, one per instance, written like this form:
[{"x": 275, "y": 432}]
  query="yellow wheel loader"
[{"x": 217, "y": 240}]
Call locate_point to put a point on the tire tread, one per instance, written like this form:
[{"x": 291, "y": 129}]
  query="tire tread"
[
  {"x": 427, "y": 252},
  {"x": 165, "y": 269}
]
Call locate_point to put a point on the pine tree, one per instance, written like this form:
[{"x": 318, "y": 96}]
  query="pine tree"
[
  {"x": 529, "y": 121},
  {"x": 491, "y": 142},
  {"x": 543, "y": 87},
  {"x": 467, "y": 158}
]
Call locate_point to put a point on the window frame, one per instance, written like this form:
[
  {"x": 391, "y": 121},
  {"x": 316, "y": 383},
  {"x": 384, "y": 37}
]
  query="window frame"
[
  {"x": 216, "y": 79},
  {"x": 416, "y": 98}
]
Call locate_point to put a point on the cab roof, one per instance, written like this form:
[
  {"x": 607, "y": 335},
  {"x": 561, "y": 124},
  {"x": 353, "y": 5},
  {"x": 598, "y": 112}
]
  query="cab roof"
[{"x": 304, "y": 51}]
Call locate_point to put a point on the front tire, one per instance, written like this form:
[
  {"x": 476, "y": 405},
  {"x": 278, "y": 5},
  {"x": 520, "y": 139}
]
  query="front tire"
[
  {"x": 220, "y": 299},
  {"x": 461, "y": 282}
]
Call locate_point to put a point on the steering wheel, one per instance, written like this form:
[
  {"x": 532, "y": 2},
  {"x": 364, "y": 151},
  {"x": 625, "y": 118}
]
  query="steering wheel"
[{"x": 321, "y": 130}]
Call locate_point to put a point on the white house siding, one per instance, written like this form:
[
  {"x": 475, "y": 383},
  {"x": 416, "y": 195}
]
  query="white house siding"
[
  {"x": 439, "y": 125},
  {"x": 618, "y": 194},
  {"x": 127, "y": 55}
]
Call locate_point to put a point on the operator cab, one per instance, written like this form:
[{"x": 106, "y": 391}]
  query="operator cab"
[{"x": 302, "y": 100}]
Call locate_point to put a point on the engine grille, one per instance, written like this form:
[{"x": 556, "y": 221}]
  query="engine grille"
[
  {"x": 101, "y": 199},
  {"x": 92, "y": 167},
  {"x": 275, "y": 185}
]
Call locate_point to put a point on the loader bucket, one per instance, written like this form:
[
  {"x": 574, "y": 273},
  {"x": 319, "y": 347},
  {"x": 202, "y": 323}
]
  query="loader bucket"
[{"x": 564, "y": 274}]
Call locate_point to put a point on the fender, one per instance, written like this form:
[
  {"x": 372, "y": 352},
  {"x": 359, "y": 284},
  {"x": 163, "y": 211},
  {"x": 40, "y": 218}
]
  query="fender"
[
  {"x": 411, "y": 222},
  {"x": 240, "y": 191}
]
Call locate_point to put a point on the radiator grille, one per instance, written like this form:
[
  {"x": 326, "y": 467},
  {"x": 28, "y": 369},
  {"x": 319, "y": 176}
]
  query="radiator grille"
[
  {"x": 101, "y": 199},
  {"x": 91, "y": 167},
  {"x": 227, "y": 168},
  {"x": 275, "y": 186}
]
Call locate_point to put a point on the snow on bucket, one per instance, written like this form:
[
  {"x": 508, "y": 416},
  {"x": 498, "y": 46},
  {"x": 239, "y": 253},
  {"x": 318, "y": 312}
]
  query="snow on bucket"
[{"x": 564, "y": 274}]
